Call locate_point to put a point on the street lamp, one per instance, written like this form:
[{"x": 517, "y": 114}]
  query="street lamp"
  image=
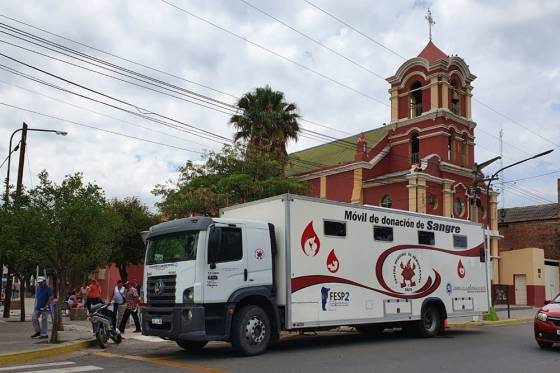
[
  {"x": 492, "y": 178},
  {"x": 24, "y": 130}
]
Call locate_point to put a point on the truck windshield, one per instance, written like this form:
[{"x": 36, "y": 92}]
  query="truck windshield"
[{"x": 175, "y": 247}]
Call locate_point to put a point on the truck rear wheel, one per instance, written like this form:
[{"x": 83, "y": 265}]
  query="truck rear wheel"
[
  {"x": 191, "y": 346},
  {"x": 251, "y": 331},
  {"x": 430, "y": 323}
]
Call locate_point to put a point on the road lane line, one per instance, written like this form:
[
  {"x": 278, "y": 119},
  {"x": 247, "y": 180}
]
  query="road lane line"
[
  {"x": 164, "y": 362},
  {"x": 44, "y": 365},
  {"x": 86, "y": 368}
]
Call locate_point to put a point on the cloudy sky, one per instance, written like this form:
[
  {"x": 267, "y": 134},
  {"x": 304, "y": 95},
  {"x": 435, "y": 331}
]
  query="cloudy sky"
[{"x": 511, "y": 46}]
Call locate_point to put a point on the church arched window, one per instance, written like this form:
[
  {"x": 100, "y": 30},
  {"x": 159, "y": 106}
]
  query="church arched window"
[
  {"x": 414, "y": 148},
  {"x": 415, "y": 99},
  {"x": 451, "y": 145},
  {"x": 386, "y": 201},
  {"x": 455, "y": 99},
  {"x": 464, "y": 149}
]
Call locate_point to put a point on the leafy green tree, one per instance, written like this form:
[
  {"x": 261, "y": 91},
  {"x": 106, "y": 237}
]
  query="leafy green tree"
[
  {"x": 76, "y": 234},
  {"x": 267, "y": 122},
  {"x": 234, "y": 175},
  {"x": 19, "y": 230},
  {"x": 132, "y": 218}
]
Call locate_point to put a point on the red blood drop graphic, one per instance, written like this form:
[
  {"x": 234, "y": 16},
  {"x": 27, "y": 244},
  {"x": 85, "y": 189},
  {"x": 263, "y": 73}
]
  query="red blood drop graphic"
[
  {"x": 310, "y": 243},
  {"x": 460, "y": 269},
  {"x": 332, "y": 262}
]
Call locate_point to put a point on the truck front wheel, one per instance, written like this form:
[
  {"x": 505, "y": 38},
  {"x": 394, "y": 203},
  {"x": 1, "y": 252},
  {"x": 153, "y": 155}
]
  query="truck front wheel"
[
  {"x": 191, "y": 346},
  {"x": 251, "y": 331}
]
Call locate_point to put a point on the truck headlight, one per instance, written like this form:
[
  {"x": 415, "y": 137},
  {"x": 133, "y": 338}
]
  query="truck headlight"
[
  {"x": 188, "y": 295},
  {"x": 541, "y": 316}
]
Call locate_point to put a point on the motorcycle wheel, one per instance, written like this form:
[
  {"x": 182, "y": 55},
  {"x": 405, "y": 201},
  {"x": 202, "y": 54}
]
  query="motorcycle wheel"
[{"x": 101, "y": 337}]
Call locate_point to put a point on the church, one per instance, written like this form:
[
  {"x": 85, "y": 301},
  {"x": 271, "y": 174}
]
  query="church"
[{"x": 422, "y": 161}]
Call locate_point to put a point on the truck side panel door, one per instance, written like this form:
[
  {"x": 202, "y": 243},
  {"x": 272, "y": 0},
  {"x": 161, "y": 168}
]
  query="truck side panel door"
[
  {"x": 226, "y": 268},
  {"x": 259, "y": 257}
]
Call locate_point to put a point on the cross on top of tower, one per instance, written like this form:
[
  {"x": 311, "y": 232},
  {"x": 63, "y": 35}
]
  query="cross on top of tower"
[{"x": 430, "y": 22}]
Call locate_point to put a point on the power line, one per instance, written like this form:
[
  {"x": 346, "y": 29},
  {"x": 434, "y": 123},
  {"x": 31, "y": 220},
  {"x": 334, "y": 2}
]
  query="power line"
[
  {"x": 140, "y": 110},
  {"x": 61, "y": 49},
  {"x": 119, "y": 57},
  {"x": 324, "y": 76},
  {"x": 152, "y": 68},
  {"x": 353, "y": 62},
  {"x": 355, "y": 30},
  {"x": 532, "y": 177},
  {"x": 107, "y": 116},
  {"x": 221, "y": 105},
  {"x": 97, "y": 128}
]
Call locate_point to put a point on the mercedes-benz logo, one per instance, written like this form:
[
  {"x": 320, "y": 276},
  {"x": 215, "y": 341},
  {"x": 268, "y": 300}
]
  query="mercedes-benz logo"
[{"x": 158, "y": 287}]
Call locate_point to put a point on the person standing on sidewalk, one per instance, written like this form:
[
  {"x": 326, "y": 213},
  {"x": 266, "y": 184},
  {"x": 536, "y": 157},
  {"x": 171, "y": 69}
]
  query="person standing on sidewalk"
[
  {"x": 119, "y": 299},
  {"x": 132, "y": 300},
  {"x": 43, "y": 298},
  {"x": 93, "y": 295}
]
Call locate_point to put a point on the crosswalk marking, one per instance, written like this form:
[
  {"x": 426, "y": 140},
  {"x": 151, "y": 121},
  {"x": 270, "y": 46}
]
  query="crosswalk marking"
[
  {"x": 45, "y": 365},
  {"x": 87, "y": 368}
]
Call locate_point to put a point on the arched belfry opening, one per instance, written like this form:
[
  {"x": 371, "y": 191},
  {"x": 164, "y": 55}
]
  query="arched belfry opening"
[
  {"x": 415, "y": 99},
  {"x": 414, "y": 148}
]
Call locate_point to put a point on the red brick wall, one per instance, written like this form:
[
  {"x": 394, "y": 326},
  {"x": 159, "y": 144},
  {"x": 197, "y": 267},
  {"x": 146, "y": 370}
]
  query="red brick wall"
[
  {"x": 543, "y": 234},
  {"x": 339, "y": 186},
  {"x": 314, "y": 187},
  {"x": 397, "y": 191}
]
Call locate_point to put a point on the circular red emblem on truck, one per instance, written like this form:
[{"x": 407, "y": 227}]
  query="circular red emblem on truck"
[{"x": 259, "y": 254}]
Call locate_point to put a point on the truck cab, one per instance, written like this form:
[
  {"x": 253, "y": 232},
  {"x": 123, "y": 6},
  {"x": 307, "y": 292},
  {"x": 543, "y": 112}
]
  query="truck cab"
[{"x": 199, "y": 274}]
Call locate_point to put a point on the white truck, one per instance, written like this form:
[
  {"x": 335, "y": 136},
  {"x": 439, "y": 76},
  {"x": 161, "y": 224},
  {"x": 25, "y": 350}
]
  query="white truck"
[{"x": 294, "y": 263}]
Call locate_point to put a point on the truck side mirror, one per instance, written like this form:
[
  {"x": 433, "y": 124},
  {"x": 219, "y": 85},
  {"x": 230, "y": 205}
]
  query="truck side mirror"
[{"x": 213, "y": 246}]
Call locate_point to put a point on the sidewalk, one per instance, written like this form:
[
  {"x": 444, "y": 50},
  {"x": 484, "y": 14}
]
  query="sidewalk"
[
  {"x": 16, "y": 344},
  {"x": 518, "y": 314}
]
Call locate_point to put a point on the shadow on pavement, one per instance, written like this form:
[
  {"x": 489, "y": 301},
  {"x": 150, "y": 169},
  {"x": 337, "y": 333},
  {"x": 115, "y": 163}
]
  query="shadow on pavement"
[{"x": 309, "y": 341}]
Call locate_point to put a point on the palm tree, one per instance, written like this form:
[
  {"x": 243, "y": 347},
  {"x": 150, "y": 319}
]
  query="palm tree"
[{"x": 266, "y": 122}]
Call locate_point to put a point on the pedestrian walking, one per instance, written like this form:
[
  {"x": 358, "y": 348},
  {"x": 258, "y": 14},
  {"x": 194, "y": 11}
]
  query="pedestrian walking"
[
  {"x": 43, "y": 298},
  {"x": 93, "y": 295},
  {"x": 132, "y": 301},
  {"x": 119, "y": 299}
]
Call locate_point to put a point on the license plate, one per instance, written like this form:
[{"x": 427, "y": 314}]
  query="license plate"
[
  {"x": 157, "y": 321},
  {"x": 558, "y": 332}
]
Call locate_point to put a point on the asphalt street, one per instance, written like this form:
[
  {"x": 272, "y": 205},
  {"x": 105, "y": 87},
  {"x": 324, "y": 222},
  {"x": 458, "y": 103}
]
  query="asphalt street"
[{"x": 489, "y": 349}]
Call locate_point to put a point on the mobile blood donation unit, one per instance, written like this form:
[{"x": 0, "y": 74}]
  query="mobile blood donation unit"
[{"x": 294, "y": 263}]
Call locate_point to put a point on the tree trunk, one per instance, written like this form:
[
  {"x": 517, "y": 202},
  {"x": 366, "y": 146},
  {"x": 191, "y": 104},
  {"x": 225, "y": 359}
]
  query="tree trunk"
[
  {"x": 57, "y": 319},
  {"x": 22, "y": 298},
  {"x": 8, "y": 297},
  {"x": 122, "y": 272},
  {"x": 1, "y": 272}
]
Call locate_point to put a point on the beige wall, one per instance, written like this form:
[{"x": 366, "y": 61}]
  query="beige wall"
[{"x": 525, "y": 261}]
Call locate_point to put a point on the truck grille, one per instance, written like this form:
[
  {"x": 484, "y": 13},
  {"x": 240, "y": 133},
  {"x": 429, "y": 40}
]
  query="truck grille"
[{"x": 161, "y": 290}]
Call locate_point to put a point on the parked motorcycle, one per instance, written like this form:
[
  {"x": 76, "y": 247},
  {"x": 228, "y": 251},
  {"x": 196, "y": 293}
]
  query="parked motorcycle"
[{"x": 102, "y": 322}]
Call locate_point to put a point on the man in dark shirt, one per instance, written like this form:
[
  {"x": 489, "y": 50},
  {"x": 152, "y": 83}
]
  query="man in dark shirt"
[{"x": 43, "y": 297}]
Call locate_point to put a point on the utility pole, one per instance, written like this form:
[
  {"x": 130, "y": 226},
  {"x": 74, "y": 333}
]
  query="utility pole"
[{"x": 19, "y": 187}]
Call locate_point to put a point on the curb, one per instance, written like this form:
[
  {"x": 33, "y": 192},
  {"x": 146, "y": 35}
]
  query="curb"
[
  {"x": 18, "y": 357},
  {"x": 473, "y": 324}
]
